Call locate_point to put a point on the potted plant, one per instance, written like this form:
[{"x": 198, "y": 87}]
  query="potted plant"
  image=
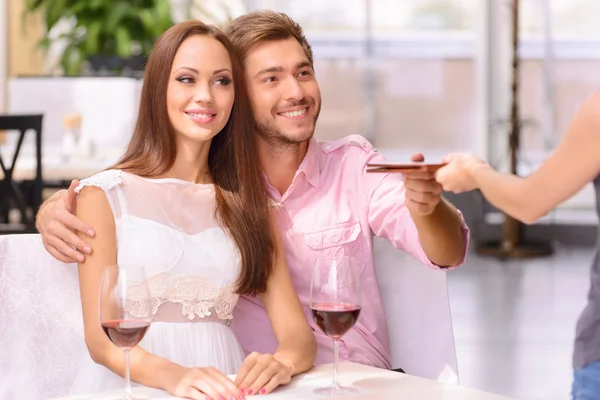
[{"x": 106, "y": 35}]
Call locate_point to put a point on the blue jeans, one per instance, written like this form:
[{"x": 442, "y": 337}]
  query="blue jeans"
[{"x": 586, "y": 383}]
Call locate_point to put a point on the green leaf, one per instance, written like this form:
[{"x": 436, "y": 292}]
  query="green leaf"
[
  {"x": 78, "y": 7},
  {"x": 123, "y": 42},
  {"x": 32, "y": 5},
  {"x": 71, "y": 60},
  {"x": 95, "y": 4},
  {"x": 92, "y": 37},
  {"x": 116, "y": 14},
  {"x": 54, "y": 11},
  {"x": 163, "y": 11},
  {"x": 147, "y": 19},
  {"x": 44, "y": 44}
]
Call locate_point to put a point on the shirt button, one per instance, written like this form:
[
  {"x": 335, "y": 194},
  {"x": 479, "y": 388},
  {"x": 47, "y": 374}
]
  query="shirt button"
[
  {"x": 327, "y": 147},
  {"x": 336, "y": 239}
]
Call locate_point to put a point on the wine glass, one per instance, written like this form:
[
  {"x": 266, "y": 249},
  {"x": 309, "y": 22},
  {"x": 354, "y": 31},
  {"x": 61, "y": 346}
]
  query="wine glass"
[
  {"x": 335, "y": 297},
  {"x": 125, "y": 310}
]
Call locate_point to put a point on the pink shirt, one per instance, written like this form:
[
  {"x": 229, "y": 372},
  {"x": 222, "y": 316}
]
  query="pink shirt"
[{"x": 333, "y": 206}]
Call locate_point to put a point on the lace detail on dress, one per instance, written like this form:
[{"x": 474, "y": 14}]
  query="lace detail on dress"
[
  {"x": 199, "y": 297},
  {"x": 105, "y": 180}
]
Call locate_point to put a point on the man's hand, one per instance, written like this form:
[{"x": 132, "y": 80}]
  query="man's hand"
[
  {"x": 57, "y": 224},
  {"x": 423, "y": 192}
]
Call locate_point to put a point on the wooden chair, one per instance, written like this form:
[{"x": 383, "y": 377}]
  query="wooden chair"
[{"x": 21, "y": 195}]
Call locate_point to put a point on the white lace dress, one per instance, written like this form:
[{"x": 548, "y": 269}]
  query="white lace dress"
[{"x": 169, "y": 226}]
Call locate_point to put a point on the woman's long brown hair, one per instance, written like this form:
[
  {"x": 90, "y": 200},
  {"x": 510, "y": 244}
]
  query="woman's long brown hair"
[{"x": 241, "y": 198}]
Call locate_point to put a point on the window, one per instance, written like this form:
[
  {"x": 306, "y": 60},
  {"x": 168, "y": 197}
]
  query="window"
[
  {"x": 570, "y": 19},
  {"x": 387, "y": 15},
  {"x": 438, "y": 16},
  {"x": 414, "y": 95}
]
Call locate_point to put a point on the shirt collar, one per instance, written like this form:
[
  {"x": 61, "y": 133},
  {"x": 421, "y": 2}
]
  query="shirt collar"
[{"x": 311, "y": 165}]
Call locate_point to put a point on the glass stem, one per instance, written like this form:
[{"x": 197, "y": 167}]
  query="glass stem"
[
  {"x": 127, "y": 376},
  {"x": 335, "y": 363}
]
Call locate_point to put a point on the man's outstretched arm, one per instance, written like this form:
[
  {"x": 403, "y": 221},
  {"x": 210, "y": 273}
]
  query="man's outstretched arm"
[{"x": 410, "y": 212}]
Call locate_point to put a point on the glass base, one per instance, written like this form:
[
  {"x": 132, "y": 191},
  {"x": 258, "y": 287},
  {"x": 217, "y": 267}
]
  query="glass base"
[
  {"x": 335, "y": 390},
  {"x": 133, "y": 397}
]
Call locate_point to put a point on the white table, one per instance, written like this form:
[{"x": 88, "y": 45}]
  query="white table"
[
  {"x": 55, "y": 168},
  {"x": 373, "y": 383}
]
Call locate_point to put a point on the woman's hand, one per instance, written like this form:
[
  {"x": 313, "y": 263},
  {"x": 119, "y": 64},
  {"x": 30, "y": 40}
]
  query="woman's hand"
[
  {"x": 457, "y": 176},
  {"x": 201, "y": 384},
  {"x": 262, "y": 373}
]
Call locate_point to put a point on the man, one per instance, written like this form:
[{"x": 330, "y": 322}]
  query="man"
[{"x": 327, "y": 204}]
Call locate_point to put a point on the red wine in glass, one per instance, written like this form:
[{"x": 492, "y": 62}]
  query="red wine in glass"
[
  {"x": 124, "y": 310},
  {"x": 335, "y": 298},
  {"x": 124, "y": 333},
  {"x": 335, "y": 319}
]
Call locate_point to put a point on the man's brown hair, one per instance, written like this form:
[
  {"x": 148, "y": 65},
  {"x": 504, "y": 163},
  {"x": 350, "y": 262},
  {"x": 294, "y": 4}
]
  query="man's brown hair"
[{"x": 255, "y": 27}]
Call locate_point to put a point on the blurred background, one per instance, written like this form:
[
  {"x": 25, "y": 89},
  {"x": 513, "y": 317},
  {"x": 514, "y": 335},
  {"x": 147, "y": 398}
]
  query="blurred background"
[{"x": 432, "y": 76}]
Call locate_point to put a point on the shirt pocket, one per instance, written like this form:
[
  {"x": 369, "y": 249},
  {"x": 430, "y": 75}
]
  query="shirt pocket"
[
  {"x": 328, "y": 243},
  {"x": 334, "y": 236}
]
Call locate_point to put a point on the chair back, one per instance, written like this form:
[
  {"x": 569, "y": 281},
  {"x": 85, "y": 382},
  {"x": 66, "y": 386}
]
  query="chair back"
[
  {"x": 20, "y": 194},
  {"x": 415, "y": 299},
  {"x": 41, "y": 340}
]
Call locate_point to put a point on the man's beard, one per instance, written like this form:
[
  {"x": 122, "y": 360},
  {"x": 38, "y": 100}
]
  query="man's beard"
[{"x": 270, "y": 133}]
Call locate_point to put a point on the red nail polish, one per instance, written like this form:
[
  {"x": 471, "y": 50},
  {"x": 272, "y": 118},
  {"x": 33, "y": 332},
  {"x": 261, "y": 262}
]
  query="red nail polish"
[
  {"x": 263, "y": 391},
  {"x": 249, "y": 391}
]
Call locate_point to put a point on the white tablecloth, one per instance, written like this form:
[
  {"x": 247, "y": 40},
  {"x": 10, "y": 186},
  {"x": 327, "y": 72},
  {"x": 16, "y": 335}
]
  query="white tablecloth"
[{"x": 373, "y": 383}]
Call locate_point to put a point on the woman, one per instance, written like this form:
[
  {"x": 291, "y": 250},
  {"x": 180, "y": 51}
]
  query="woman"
[
  {"x": 187, "y": 202},
  {"x": 574, "y": 163}
]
